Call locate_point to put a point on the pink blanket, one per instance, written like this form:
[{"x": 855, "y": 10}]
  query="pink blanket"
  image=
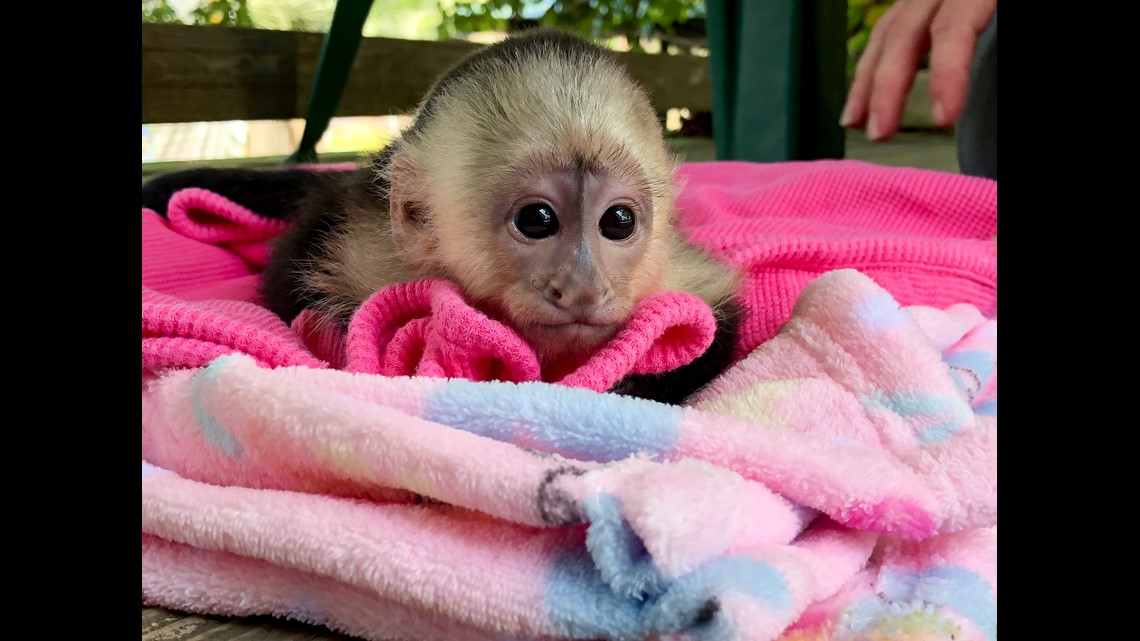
[{"x": 839, "y": 482}]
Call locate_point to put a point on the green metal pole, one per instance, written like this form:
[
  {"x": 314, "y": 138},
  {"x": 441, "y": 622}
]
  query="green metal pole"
[
  {"x": 777, "y": 76},
  {"x": 722, "y": 17},
  {"x": 824, "y": 90},
  {"x": 337, "y": 53},
  {"x": 766, "y": 111}
]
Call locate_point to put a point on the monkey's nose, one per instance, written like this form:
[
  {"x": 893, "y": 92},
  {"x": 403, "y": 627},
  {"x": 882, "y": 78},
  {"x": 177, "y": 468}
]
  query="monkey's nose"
[{"x": 578, "y": 299}]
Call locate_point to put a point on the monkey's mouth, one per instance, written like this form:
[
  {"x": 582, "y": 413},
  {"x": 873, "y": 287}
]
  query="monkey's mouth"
[
  {"x": 578, "y": 323},
  {"x": 568, "y": 337}
]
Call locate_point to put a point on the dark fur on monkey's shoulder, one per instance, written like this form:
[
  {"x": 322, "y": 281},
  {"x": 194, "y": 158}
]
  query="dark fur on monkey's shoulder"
[
  {"x": 314, "y": 201},
  {"x": 675, "y": 386},
  {"x": 273, "y": 194}
]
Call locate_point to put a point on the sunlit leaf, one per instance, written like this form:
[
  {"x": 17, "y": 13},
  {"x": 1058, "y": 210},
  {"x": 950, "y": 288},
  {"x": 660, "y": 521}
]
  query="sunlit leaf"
[
  {"x": 858, "y": 42},
  {"x": 854, "y": 17},
  {"x": 874, "y": 13}
]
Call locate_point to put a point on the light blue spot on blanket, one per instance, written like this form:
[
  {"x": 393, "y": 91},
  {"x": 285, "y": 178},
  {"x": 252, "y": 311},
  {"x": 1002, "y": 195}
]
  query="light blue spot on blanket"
[
  {"x": 619, "y": 552},
  {"x": 214, "y": 432},
  {"x": 148, "y": 469},
  {"x": 951, "y": 412},
  {"x": 970, "y": 369},
  {"x": 988, "y": 408},
  {"x": 547, "y": 417},
  {"x": 980, "y": 362},
  {"x": 692, "y": 604},
  {"x": 959, "y": 589},
  {"x": 621, "y": 556},
  {"x": 581, "y": 605}
]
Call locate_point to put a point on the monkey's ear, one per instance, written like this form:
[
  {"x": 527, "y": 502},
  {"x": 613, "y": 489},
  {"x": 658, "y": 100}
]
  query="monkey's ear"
[{"x": 407, "y": 206}]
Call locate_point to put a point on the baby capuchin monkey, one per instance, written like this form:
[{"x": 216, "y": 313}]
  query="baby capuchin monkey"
[{"x": 535, "y": 175}]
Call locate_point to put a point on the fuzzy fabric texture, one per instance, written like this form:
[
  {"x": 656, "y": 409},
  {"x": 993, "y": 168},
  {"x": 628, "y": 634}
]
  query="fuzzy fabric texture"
[{"x": 838, "y": 482}]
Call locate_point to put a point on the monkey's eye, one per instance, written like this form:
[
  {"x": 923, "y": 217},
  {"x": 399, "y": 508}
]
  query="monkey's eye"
[
  {"x": 536, "y": 221},
  {"x": 617, "y": 223}
]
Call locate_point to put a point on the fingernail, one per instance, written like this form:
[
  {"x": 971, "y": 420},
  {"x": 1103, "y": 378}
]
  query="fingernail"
[
  {"x": 845, "y": 118},
  {"x": 872, "y": 128},
  {"x": 939, "y": 114}
]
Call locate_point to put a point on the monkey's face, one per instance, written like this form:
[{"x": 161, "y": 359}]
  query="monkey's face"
[
  {"x": 576, "y": 243},
  {"x": 544, "y": 188},
  {"x": 564, "y": 257}
]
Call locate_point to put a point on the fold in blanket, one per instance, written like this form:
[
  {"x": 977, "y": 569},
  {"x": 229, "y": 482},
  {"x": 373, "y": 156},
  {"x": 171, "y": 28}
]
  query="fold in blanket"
[{"x": 839, "y": 482}]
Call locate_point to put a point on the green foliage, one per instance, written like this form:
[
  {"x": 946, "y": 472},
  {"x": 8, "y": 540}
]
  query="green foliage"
[
  {"x": 595, "y": 19},
  {"x": 229, "y": 13},
  {"x": 159, "y": 11},
  {"x": 312, "y": 16},
  {"x": 409, "y": 19},
  {"x": 861, "y": 18}
]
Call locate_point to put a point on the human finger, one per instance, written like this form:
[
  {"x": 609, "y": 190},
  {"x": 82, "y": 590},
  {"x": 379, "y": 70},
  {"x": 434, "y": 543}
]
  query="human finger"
[
  {"x": 855, "y": 109},
  {"x": 904, "y": 42},
  {"x": 954, "y": 36}
]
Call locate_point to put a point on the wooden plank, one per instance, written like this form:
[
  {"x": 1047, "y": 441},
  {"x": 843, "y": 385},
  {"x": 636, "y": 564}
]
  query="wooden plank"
[
  {"x": 390, "y": 76},
  {"x": 680, "y": 81},
  {"x": 202, "y": 73},
  {"x": 192, "y": 73},
  {"x": 688, "y": 149}
]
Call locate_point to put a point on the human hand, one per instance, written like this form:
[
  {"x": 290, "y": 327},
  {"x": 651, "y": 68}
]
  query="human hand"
[{"x": 948, "y": 29}]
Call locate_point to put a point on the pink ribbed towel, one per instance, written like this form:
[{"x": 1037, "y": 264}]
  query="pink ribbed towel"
[
  {"x": 924, "y": 236},
  {"x": 425, "y": 328}
]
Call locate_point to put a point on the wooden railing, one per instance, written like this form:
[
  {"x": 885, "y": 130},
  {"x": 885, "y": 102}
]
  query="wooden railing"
[{"x": 192, "y": 73}]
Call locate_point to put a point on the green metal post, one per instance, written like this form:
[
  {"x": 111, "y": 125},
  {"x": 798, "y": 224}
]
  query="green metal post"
[
  {"x": 337, "y": 53},
  {"x": 823, "y": 92},
  {"x": 722, "y": 18},
  {"x": 777, "y": 77}
]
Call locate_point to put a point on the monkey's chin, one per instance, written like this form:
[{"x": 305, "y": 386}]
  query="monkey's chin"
[{"x": 556, "y": 341}]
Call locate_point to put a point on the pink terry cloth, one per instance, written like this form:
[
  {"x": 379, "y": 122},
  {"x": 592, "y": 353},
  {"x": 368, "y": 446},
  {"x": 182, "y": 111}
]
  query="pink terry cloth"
[
  {"x": 205, "y": 242},
  {"x": 425, "y": 328},
  {"x": 924, "y": 236},
  {"x": 183, "y": 333},
  {"x": 838, "y": 483}
]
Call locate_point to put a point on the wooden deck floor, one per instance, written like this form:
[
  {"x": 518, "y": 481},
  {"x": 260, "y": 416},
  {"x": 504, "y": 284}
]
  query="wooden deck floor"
[
  {"x": 167, "y": 625},
  {"x": 911, "y": 149},
  {"x": 924, "y": 150}
]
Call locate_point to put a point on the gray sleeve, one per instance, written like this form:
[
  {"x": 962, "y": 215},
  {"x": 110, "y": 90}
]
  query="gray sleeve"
[{"x": 976, "y": 129}]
